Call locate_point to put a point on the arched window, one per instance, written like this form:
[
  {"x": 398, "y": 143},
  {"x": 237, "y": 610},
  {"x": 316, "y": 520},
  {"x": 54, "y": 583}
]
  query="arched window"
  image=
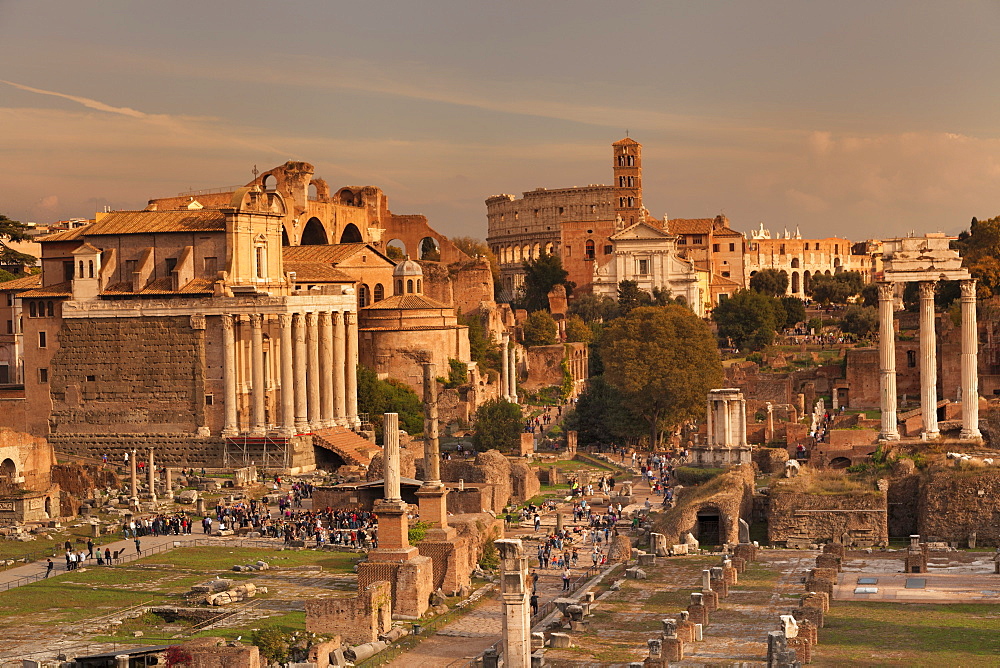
[
  {"x": 90, "y": 269},
  {"x": 399, "y": 287},
  {"x": 363, "y": 296},
  {"x": 589, "y": 250},
  {"x": 80, "y": 275},
  {"x": 795, "y": 282},
  {"x": 32, "y": 310},
  {"x": 409, "y": 286},
  {"x": 419, "y": 286},
  {"x": 379, "y": 293},
  {"x": 50, "y": 307}
]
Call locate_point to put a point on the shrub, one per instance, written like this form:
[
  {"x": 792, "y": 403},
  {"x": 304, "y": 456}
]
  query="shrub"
[{"x": 687, "y": 475}]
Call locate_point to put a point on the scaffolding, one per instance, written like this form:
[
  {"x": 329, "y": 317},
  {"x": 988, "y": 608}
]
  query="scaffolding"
[{"x": 268, "y": 452}]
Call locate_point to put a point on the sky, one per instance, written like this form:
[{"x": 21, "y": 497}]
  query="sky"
[{"x": 856, "y": 119}]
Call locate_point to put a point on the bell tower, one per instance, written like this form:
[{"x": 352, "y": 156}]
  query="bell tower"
[{"x": 628, "y": 180}]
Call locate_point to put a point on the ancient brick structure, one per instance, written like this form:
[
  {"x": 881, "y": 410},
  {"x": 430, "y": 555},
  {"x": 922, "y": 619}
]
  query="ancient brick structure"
[
  {"x": 212, "y": 652},
  {"x": 711, "y": 512},
  {"x": 802, "y": 259},
  {"x": 357, "y": 620},
  {"x": 27, "y": 490},
  {"x": 798, "y": 518}
]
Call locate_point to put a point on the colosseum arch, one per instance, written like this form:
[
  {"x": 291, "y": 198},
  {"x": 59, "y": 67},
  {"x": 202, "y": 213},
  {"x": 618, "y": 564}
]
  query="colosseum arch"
[
  {"x": 429, "y": 249},
  {"x": 795, "y": 282},
  {"x": 795, "y": 263},
  {"x": 526, "y": 252},
  {"x": 536, "y": 251},
  {"x": 314, "y": 234},
  {"x": 517, "y": 254},
  {"x": 805, "y": 280},
  {"x": 351, "y": 235},
  {"x": 549, "y": 248}
]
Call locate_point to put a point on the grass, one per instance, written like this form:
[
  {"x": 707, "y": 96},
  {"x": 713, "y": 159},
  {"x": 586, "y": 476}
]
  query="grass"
[
  {"x": 207, "y": 559},
  {"x": 567, "y": 465},
  {"x": 888, "y": 634},
  {"x": 156, "y": 630}
]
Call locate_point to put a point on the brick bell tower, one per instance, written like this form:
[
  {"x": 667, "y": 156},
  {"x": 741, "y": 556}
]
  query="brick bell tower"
[{"x": 628, "y": 180}]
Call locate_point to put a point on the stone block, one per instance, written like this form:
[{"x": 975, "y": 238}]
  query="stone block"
[
  {"x": 673, "y": 649},
  {"x": 710, "y": 599},
  {"x": 559, "y": 640},
  {"x": 635, "y": 573},
  {"x": 802, "y": 647},
  {"x": 647, "y": 559}
]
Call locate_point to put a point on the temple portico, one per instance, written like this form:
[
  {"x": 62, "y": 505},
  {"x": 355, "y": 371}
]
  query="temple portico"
[{"x": 925, "y": 261}]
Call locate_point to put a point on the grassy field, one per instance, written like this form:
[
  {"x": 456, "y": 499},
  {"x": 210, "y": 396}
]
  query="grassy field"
[
  {"x": 211, "y": 559},
  {"x": 156, "y": 630},
  {"x": 891, "y": 634}
]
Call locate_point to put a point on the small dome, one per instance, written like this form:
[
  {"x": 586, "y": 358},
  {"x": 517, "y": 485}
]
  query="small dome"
[{"x": 408, "y": 268}]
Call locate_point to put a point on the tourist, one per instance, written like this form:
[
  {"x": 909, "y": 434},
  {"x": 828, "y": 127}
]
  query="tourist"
[
  {"x": 107, "y": 556},
  {"x": 565, "y": 579},
  {"x": 534, "y": 604},
  {"x": 49, "y": 567}
]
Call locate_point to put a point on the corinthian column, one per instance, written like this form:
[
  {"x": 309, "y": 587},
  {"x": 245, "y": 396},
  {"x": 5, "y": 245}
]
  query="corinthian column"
[
  {"x": 928, "y": 361},
  {"x": 390, "y": 459},
  {"x": 339, "y": 369},
  {"x": 887, "y": 362},
  {"x": 513, "y": 373},
  {"x": 301, "y": 407},
  {"x": 287, "y": 376},
  {"x": 432, "y": 464},
  {"x": 970, "y": 361},
  {"x": 313, "y": 372},
  {"x": 351, "y": 369},
  {"x": 504, "y": 367},
  {"x": 257, "y": 425},
  {"x": 326, "y": 369},
  {"x": 229, "y": 375}
]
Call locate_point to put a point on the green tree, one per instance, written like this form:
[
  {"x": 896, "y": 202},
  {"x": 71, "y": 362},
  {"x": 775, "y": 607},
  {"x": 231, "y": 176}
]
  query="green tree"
[
  {"x": 773, "y": 282},
  {"x": 861, "y": 321},
  {"x": 482, "y": 348},
  {"x": 273, "y": 643},
  {"x": 458, "y": 373},
  {"x": 540, "y": 329},
  {"x": 749, "y": 318},
  {"x": 377, "y": 397},
  {"x": 980, "y": 248},
  {"x": 795, "y": 310},
  {"x": 498, "y": 425},
  {"x": 594, "y": 308},
  {"x": 663, "y": 361},
  {"x": 828, "y": 290},
  {"x": 630, "y": 296},
  {"x": 541, "y": 275},
  {"x": 394, "y": 253},
  {"x": 577, "y": 330},
  {"x": 602, "y": 417},
  {"x": 13, "y": 230}
]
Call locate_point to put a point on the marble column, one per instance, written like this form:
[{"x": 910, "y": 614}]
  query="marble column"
[
  {"x": 312, "y": 371},
  {"x": 351, "y": 367},
  {"x": 432, "y": 463},
  {"x": 301, "y": 405},
  {"x": 504, "y": 367},
  {"x": 741, "y": 435},
  {"x": 710, "y": 420},
  {"x": 339, "y": 369},
  {"x": 257, "y": 393},
  {"x": 229, "y": 375},
  {"x": 151, "y": 475},
  {"x": 326, "y": 369},
  {"x": 287, "y": 376},
  {"x": 970, "y": 361},
  {"x": 928, "y": 361},
  {"x": 887, "y": 362},
  {"x": 133, "y": 477},
  {"x": 513, "y": 373},
  {"x": 515, "y": 592},
  {"x": 390, "y": 457},
  {"x": 727, "y": 423}
]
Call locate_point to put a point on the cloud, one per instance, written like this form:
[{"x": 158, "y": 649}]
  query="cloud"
[{"x": 85, "y": 101}]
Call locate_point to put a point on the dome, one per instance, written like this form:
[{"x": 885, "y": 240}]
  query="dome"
[{"x": 408, "y": 268}]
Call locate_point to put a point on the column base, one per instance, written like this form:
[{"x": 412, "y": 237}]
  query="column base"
[
  {"x": 302, "y": 427},
  {"x": 395, "y": 555},
  {"x": 258, "y": 431},
  {"x": 889, "y": 436},
  {"x": 930, "y": 435},
  {"x": 229, "y": 432},
  {"x": 970, "y": 435}
]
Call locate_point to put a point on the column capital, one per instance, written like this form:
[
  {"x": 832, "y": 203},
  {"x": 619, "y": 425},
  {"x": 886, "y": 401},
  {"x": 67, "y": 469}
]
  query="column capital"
[
  {"x": 968, "y": 288},
  {"x": 335, "y": 317},
  {"x": 350, "y": 318},
  {"x": 228, "y": 321},
  {"x": 926, "y": 289},
  {"x": 256, "y": 320},
  {"x": 886, "y": 290},
  {"x": 285, "y": 319},
  {"x": 311, "y": 318}
]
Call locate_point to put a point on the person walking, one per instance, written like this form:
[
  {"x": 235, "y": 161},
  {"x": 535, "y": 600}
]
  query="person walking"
[
  {"x": 90, "y": 548},
  {"x": 534, "y": 604},
  {"x": 566, "y": 576},
  {"x": 49, "y": 567},
  {"x": 138, "y": 547}
]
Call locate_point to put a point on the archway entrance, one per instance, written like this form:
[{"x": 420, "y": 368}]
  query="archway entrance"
[
  {"x": 840, "y": 463},
  {"x": 314, "y": 234},
  {"x": 709, "y": 526},
  {"x": 351, "y": 235}
]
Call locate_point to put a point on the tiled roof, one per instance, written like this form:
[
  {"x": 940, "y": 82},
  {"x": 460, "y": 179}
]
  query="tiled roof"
[
  {"x": 319, "y": 272},
  {"x": 398, "y": 302},
  {"x": 719, "y": 280},
  {"x": 24, "y": 283},
  {"x": 690, "y": 225},
  {"x": 147, "y": 222},
  {"x": 64, "y": 289},
  {"x": 65, "y": 235},
  {"x": 626, "y": 140},
  {"x": 161, "y": 286},
  {"x": 332, "y": 253}
]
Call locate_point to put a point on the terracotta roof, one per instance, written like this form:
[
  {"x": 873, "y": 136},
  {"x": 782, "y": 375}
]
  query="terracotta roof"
[
  {"x": 332, "y": 253},
  {"x": 720, "y": 280},
  {"x": 147, "y": 222},
  {"x": 397, "y": 302},
  {"x": 319, "y": 272},
  {"x": 690, "y": 225},
  {"x": 161, "y": 286},
  {"x": 65, "y": 235},
  {"x": 352, "y": 448},
  {"x": 626, "y": 140},
  {"x": 64, "y": 289},
  {"x": 24, "y": 283}
]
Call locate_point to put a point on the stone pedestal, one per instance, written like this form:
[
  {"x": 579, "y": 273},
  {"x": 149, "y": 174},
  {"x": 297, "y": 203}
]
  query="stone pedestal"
[
  {"x": 673, "y": 649},
  {"x": 710, "y": 598},
  {"x": 515, "y": 592},
  {"x": 697, "y": 612}
]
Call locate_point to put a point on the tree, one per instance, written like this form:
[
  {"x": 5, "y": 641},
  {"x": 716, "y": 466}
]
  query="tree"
[
  {"x": 860, "y": 321},
  {"x": 541, "y": 275},
  {"x": 377, "y": 397},
  {"x": 429, "y": 250},
  {"x": 593, "y": 308},
  {"x": 273, "y": 643},
  {"x": 828, "y": 290},
  {"x": 663, "y": 361},
  {"x": 394, "y": 253},
  {"x": 980, "y": 247},
  {"x": 540, "y": 329},
  {"x": 482, "y": 349},
  {"x": 630, "y": 296},
  {"x": 773, "y": 282},
  {"x": 749, "y": 318},
  {"x": 602, "y": 416},
  {"x": 478, "y": 248},
  {"x": 577, "y": 330},
  {"x": 498, "y": 425},
  {"x": 13, "y": 230},
  {"x": 795, "y": 311}
]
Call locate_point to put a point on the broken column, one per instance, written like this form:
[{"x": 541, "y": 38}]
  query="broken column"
[
  {"x": 133, "y": 480},
  {"x": 395, "y": 560},
  {"x": 708, "y": 596},
  {"x": 673, "y": 646},
  {"x": 778, "y": 653},
  {"x": 151, "y": 476},
  {"x": 168, "y": 483},
  {"x": 697, "y": 612},
  {"x": 514, "y": 592}
]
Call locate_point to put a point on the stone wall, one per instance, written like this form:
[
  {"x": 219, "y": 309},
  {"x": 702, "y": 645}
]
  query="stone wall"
[
  {"x": 170, "y": 449},
  {"x": 544, "y": 366},
  {"x": 357, "y": 620},
  {"x": 954, "y": 504},
  {"x": 490, "y": 467},
  {"x": 140, "y": 375},
  {"x": 213, "y": 653},
  {"x": 852, "y": 518},
  {"x": 730, "y": 493},
  {"x": 32, "y": 458}
]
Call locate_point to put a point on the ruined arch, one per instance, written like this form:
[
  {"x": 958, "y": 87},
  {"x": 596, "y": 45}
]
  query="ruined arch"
[
  {"x": 536, "y": 251},
  {"x": 48, "y": 506},
  {"x": 840, "y": 463},
  {"x": 351, "y": 234},
  {"x": 517, "y": 254},
  {"x": 348, "y": 197},
  {"x": 795, "y": 263},
  {"x": 314, "y": 234},
  {"x": 400, "y": 250},
  {"x": 795, "y": 282},
  {"x": 710, "y": 525},
  {"x": 549, "y": 249},
  {"x": 429, "y": 249},
  {"x": 8, "y": 470}
]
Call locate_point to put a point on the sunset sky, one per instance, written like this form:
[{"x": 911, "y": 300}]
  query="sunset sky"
[{"x": 857, "y": 119}]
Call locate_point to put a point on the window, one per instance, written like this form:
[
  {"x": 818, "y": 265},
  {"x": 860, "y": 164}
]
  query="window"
[
  {"x": 568, "y": 249},
  {"x": 911, "y": 358},
  {"x": 90, "y": 268},
  {"x": 725, "y": 274},
  {"x": 43, "y": 375},
  {"x": 782, "y": 250},
  {"x": 379, "y": 292},
  {"x": 409, "y": 286},
  {"x": 80, "y": 275},
  {"x": 209, "y": 399},
  {"x": 608, "y": 250},
  {"x": 42, "y": 340},
  {"x": 696, "y": 240},
  {"x": 10, "y": 299},
  {"x": 836, "y": 249},
  {"x": 50, "y": 307},
  {"x": 682, "y": 240},
  {"x": 643, "y": 267},
  {"x": 211, "y": 266},
  {"x": 32, "y": 310},
  {"x": 261, "y": 264},
  {"x": 732, "y": 247},
  {"x": 91, "y": 379},
  {"x": 171, "y": 264},
  {"x": 363, "y": 296},
  {"x": 562, "y": 210},
  {"x": 10, "y": 326},
  {"x": 67, "y": 270},
  {"x": 589, "y": 250},
  {"x": 715, "y": 248},
  {"x": 399, "y": 287}
]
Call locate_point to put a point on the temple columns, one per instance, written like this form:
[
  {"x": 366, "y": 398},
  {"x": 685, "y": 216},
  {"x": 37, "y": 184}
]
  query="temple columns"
[
  {"x": 504, "y": 367},
  {"x": 299, "y": 361},
  {"x": 887, "y": 362},
  {"x": 928, "y": 361},
  {"x": 351, "y": 367},
  {"x": 326, "y": 369},
  {"x": 970, "y": 361},
  {"x": 339, "y": 370},
  {"x": 229, "y": 375},
  {"x": 287, "y": 376},
  {"x": 257, "y": 391}
]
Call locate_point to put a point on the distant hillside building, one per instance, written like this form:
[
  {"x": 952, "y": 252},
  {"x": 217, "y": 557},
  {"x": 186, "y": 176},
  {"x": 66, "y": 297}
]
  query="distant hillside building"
[{"x": 802, "y": 259}]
